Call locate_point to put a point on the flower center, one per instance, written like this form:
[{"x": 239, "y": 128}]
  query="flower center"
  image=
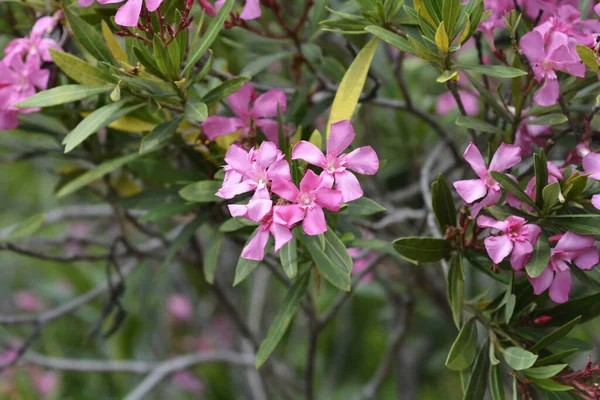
[
  {"x": 335, "y": 164},
  {"x": 259, "y": 176},
  {"x": 306, "y": 200},
  {"x": 21, "y": 83}
]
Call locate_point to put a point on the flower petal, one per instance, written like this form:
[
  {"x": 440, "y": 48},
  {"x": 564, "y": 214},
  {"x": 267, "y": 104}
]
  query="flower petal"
[
  {"x": 270, "y": 128},
  {"x": 507, "y": 156},
  {"x": 258, "y": 209},
  {"x": 251, "y": 10},
  {"x": 238, "y": 210},
  {"x": 152, "y": 5},
  {"x": 341, "y": 135},
  {"x": 310, "y": 182},
  {"x": 520, "y": 254},
  {"x": 347, "y": 183},
  {"x": 216, "y": 126},
  {"x": 255, "y": 249},
  {"x": 285, "y": 189},
  {"x": 237, "y": 158},
  {"x": 498, "y": 247},
  {"x": 548, "y": 94},
  {"x": 314, "y": 222},
  {"x": 587, "y": 259},
  {"x": 267, "y": 154},
  {"x": 240, "y": 101},
  {"x": 363, "y": 160},
  {"x": 533, "y": 46},
  {"x": 542, "y": 282},
  {"x": 329, "y": 198},
  {"x": 279, "y": 168},
  {"x": 591, "y": 165},
  {"x": 487, "y": 222},
  {"x": 229, "y": 192},
  {"x": 561, "y": 287},
  {"x": 282, "y": 235},
  {"x": 471, "y": 190},
  {"x": 573, "y": 242},
  {"x": 473, "y": 156},
  {"x": 129, "y": 14},
  {"x": 596, "y": 201},
  {"x": 308, "y": 152},
  {"x": 288, "y": 215},
  {"x": 266, "y": 104}
]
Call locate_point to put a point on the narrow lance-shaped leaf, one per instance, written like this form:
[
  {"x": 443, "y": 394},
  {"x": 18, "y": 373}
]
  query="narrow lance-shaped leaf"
[
  {"x": 464, "y": 347},
  {"x": 478, "y": 382},
  {"x": 540, "y": 258},
  {"x": 442, "y": 203},
  {"x": 555, "y": 335},
  {"x": 422, "y": 248},
  {"x": 335, "y": 273},
  {"x": 284, "y": 317},
  {"x": 511, "y": 186},
  {"x": 160, "y": 134},
  {"x": 61, "y": 95},
  {"x": 79, "y": 70},
  {"x": 348, "y": 93},
  {"x": 455, "y": 288},
  {"x": 89, "y": 38},
  {"x": 23, "y": 229}
]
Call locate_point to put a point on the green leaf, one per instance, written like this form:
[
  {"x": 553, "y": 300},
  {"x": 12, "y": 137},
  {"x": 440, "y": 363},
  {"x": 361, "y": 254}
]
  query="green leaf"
[
  {"x": 560, "y": 356},
  {"x": 447, "y": 76},
  {"x": 113, "y": 44},
  {"x": 496, "y": 71},
  {"x": 336, "y": 251},
  {"x": 261, "y": 63},
  {"x": 235, "y": 224},
  {"x": 288, "y": 255},
  {"x": 555, "y": 335},
  {"x": 539, "y": 258},
  {"x": 442, "y": 203},
  {"x": 94, "y": 174},
  {"x": 422, "y": 249},
  {"x": 551, "y": 196},
  {"x": 363, "y": 207},
  {"x": 478, "y": 125},
  {"x": 225, "y": 89},
  {"x": 96, "y": 121},
  {"x": 390, "y": 37},
  {"x": 588, "y": 57},
  {"x": 450, "y": 12},
  {"x": 211, "y": 256},
  {"x": 544, "y": 372},
  {"x": 549, "y": 384},
  {"x": 284, "y": 317},
  {"x": 88, "y": 37},
  {"x": 201, "y": 192},
  {"x": 511, "y": 186},
  {"x": 489, "y": 98},
  {"x": 196, "y": 110},
  {"x": 160, "y": 134},
  {"x": 478, "y": 382},
  {"x": 351, "y": 86},
  {"x": 441, "y": 38},
  {"x": 455, "y": 289},
  {"x": 336, "y": 274},
  {"x": 496, "y": 384},
  {"x": 550, "y": 119},
  {"x": 541, "y": 176},
  {"x": 79, "y": 70},
  {"x": 464, "y": 347},
  {"x": 61, "y": 95},
  {"x": 493, "y": 359},
  {"x": 509, "y": 308},
  {"x": 584, "y": 224},
  {"x": 381, "y": 246},
  {"x": 161, "y": 57},
  {"x": 518, "y": 358},
  {"x": 244, "y": 268},
  {"x": 23, "y": 229},
  {"x": 211, "y": 33}
]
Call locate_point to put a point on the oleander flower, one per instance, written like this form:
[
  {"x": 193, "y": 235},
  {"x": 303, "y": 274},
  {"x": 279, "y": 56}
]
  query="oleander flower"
[
  {"x": 515, "y": 238},
  {"x": 336, "y": 165},
  {"x": 248, "y": 109},
  {"x": 591, "y": 165},
  {"x": 310, "y": 199},
  {"x": 129, "y": 13},
  {"x": 35, "y": 46},
  {"x": 571, "y": 248},
  {"x": 251, "y": 9},
  {"x": 485, "y": 188}
]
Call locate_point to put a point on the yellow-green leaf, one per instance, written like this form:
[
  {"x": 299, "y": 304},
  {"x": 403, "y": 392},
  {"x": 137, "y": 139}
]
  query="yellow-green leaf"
[
  {"x": 441, "y": 38},
  {"x": 316, "y": 138},
  {"x": 352, "y": 84},
  {"x": 113, "y": 45}
]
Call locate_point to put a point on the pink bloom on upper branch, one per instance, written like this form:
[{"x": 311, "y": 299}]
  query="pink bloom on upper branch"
[
  {"x": 263, "y": 107},
  {"x": 335, "y": 165},
  {"x": 313, "y": 196},
  {"x": 129, "y": 13},
  {"x": 35, "y": 46},
  {"x": 445, "y": 103},
  {"x": 591, "y": 165},
  {"x": 251, "y": 9},
  {"x": 27, "y": 301},
  {"x": 571, "y": 248},
  {"x": 18, "y": 81},
  {"x": 180, "y": 307},
  {"x": 516, "y": 237},
  {"x": 547, "y": 54},
  {"x": 252, "y": 170},
  {"x": 486, "y": 188},
  {"x": 498, "y": 10}
]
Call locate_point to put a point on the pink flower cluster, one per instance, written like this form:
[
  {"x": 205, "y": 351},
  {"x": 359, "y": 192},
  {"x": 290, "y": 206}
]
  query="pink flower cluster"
[
  {"x": 266, "y": 172},
  {"x": 129, "y": 13},
  {"x": 550, "y": 48},
  {"x": 514, "y": 236},
  {"x": 251, "y": 9},
  {"x": 21, "y": 70}
]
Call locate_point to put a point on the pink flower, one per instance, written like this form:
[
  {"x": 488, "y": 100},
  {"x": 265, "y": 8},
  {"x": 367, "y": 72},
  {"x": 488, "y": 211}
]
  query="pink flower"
[
  {"x": 35, "y": 46},
  {"x": 27, "y": 301},
  {"x": 531, "y": 134},
  {"x": 263, "y": 108},
  {"x": 573, "y": 249},
  {"x": 335, "y": 165},
  {"x": 45, "y": 382},
  {"x": 18, "y": 81},
  {"x": 276, "y": 221},
  {"x": 129, "y": 13},
  {"x": 188, "y": 381},
  {"x": 251, "y": 9},
  {"x": 532, "y": 8},
  {"x": 180, "y": 307},
  {"x": 252, "y": 170},
  {"x": 446, "y": 103},
  {"x": 313, "y": 196},
  {"x": 547, "y": 54},
  {"x": 486, "y": 188},
  {"x": 498, "y": 10},
  {"x": 554, "y": 175},
  {"x": 516, "y": 236}
]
